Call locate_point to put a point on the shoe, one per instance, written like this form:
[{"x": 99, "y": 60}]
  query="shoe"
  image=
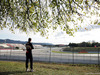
[
  {"x": 31, "y": 70},
  {"x": 27, "y": 70}
]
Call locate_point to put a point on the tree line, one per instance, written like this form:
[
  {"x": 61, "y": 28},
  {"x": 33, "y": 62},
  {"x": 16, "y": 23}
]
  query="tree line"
[{"x": 84, "y": 44}]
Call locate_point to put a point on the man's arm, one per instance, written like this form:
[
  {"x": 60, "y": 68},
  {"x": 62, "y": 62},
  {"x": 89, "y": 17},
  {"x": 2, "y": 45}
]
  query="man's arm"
[{"x": 32, "y": 46}]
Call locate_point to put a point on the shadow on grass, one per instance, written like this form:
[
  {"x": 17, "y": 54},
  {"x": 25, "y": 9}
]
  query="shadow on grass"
[{"x": 12, "y": 73}]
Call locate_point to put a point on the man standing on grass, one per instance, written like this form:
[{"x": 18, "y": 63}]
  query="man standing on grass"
[{"x": 29, "y": 48}]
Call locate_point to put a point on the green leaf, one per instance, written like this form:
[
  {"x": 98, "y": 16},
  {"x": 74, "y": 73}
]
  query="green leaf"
[{"x": 99, "y": 23}]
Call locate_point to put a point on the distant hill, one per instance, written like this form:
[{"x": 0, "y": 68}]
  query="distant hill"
[{"x": 21, "y": 42}]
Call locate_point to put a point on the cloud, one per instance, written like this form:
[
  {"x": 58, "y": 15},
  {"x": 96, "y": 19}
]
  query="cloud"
[
  {"x": 57, "y": 37},
  {"x": 59, "y": 34},
  {"x": 89, "y": 35},
  {"x": 80, "y": 37},
  {"x": 87, "y": 28}
]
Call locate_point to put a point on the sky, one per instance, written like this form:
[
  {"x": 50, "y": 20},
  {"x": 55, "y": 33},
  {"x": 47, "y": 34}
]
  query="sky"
[{"x": 57, "y": 37}]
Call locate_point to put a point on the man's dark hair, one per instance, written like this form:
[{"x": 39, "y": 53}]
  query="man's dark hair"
[{"x": 29, "y": 39}]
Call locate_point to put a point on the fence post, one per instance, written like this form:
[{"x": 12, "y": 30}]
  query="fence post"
[
  {"x": 0, "y": 53},
  {"x": 10, "y": 54},
  {"x": 50, "y": 55},
  {"x": 98, "y": 58},
  {"x": 73, "y": 54}
]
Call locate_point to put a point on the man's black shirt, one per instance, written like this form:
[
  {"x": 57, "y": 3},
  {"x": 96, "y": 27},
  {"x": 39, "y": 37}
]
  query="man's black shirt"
[{"x": 29, "y": 47}]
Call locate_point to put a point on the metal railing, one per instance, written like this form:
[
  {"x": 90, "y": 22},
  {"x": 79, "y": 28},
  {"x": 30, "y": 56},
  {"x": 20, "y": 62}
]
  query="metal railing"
[{"x": 55, "y": 55}]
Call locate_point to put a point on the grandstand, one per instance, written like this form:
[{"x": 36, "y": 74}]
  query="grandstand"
[{"x": 5, "y": 46}]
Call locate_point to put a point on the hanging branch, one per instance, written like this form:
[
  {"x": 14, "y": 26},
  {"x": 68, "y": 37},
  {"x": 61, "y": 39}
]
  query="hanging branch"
[
  {"x": 70, "y": 6},
  {"x": 36, "y": 14},
  {"x": 77, "y": 4},
  {"x": 58, "y": 7},
  {"x": 46, "y": 3},
  {"x": 7, "y": 10},
  {"x": 62, "y": 10},
  {"x": 98, "y": 1},
  {"x": 27, "y": 11},
  {"x": 40, "y": 8}
]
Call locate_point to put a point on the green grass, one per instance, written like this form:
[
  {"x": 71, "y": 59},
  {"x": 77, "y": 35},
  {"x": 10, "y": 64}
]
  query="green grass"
[
  {"x": 18, "y": 68},
  {"x": 71, "y": 52},
  {"x": 82, "y": 48},
  {"x": 61, "y": 52}
]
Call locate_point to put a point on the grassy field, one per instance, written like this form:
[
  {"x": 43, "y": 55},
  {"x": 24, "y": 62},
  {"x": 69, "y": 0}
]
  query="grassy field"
[
  {"x": 71, "y": 52},
  {"x": 18, "y": 68},
  {"x": 82, "y": 48}
]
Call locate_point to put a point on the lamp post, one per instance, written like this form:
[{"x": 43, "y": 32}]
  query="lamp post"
[{"x": 5, "y": 41}]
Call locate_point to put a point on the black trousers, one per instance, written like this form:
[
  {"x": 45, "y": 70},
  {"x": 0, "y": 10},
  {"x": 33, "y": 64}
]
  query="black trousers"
[{"x": 29, "y": 56}]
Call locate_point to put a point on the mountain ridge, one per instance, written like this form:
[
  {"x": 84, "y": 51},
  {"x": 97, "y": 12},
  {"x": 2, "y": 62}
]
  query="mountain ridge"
[{"x": 21, "y": 42}]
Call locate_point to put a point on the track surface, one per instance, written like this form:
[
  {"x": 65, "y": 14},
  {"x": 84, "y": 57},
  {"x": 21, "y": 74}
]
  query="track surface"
[{"x": 46, "y": 54}]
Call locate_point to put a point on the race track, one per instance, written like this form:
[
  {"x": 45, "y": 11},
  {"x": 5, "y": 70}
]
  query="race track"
[{"x": 46, "y": 55}]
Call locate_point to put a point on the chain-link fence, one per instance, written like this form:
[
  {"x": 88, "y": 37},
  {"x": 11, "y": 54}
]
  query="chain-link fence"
[{"x": 75, "y": 55}]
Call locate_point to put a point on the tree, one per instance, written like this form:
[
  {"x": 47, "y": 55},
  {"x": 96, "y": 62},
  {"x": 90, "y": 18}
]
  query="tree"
[
  {"x": 41, "y": 15},
  {"x": 16, "y": 47},
  {"x": 73, "y": 45}
]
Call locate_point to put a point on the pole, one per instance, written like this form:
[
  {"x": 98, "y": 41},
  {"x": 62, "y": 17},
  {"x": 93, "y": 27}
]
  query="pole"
[
  {"x": 10, "y": 54},
  {"x": 5, "y": 41},
  {"x": 50, "y": 55},
  {"x": 98, "y": 59},
  {"x": 98, "y": 56},
  {"x": 73, "y": 55}
]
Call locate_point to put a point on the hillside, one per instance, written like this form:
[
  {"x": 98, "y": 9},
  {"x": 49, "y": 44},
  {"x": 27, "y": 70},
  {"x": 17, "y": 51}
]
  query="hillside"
[{"x": 21, "y": 42}]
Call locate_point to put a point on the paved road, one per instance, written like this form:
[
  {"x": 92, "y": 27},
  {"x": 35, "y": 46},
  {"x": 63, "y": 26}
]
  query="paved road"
[{"x": 46, "y": 55}]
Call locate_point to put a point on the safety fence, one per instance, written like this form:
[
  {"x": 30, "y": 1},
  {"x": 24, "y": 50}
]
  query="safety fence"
[{"x": 73, "y": 55}]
